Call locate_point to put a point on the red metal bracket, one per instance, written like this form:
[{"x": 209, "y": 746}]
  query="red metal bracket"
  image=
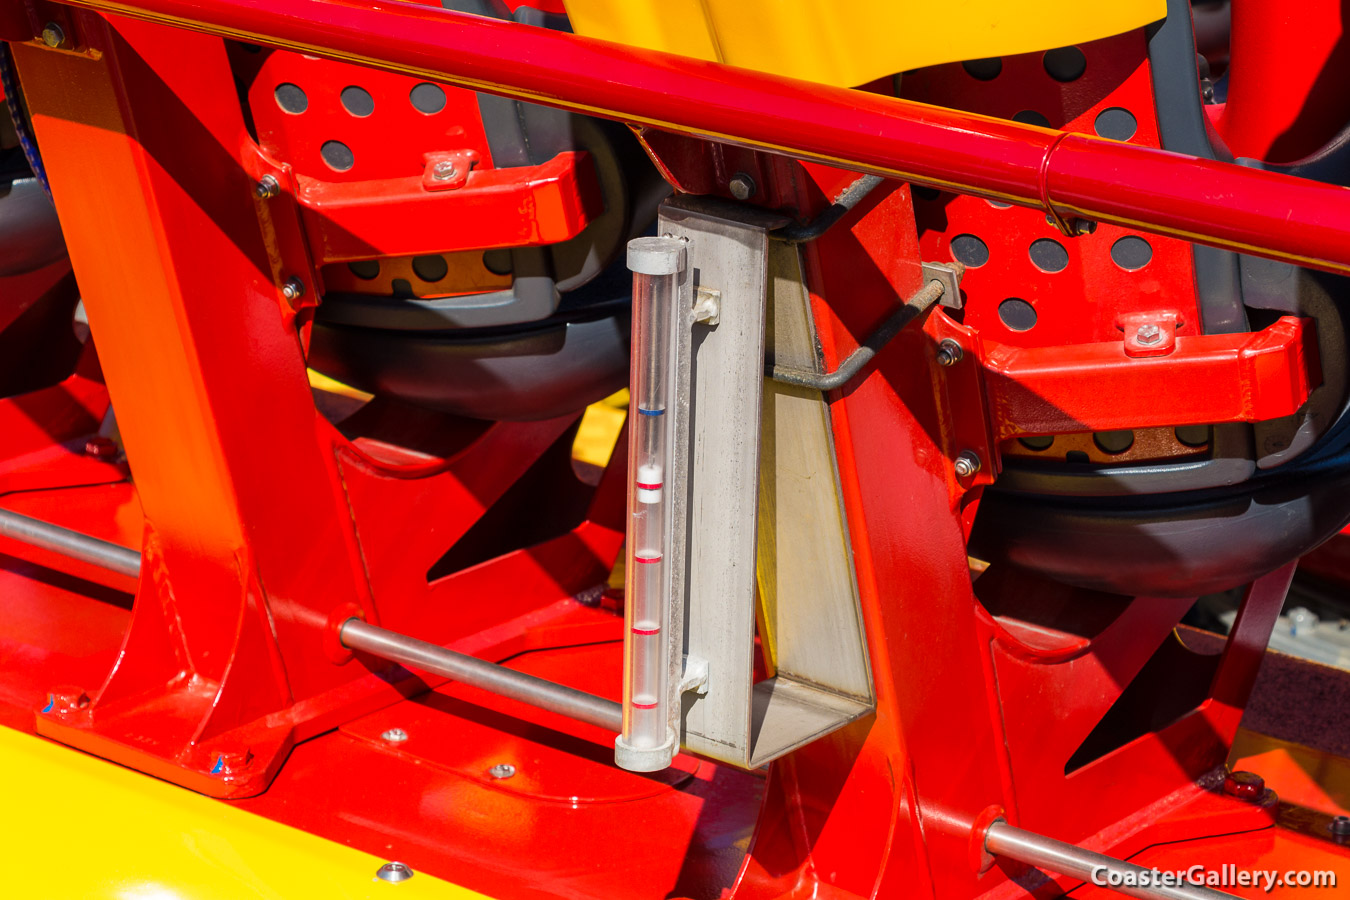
[
  {"x": 1100, "y": 387},
  {"x": 516, "y": 207}
]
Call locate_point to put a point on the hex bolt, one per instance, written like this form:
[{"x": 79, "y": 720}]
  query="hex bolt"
[
  {"x": 394, "y": 736},
  {"x": 53, "y": 35},
  {"x": 1077, "y": 227},
  {"x": 967, "y": 464},
  {"x": 1244, "y": 785},
  {"x": 266, "y": 188},
  {"x": 949, "y": 353},
  {"x": 1340, "y": 826},
  {"x": 394, "y": 872},
  {"x": 502, "y": 770},
  {"x": 1148, "y": 333},
  {"x": 444, "y": 170},
  {"x": 293, "y": 289},
  {"x": 742, "y": 186}
]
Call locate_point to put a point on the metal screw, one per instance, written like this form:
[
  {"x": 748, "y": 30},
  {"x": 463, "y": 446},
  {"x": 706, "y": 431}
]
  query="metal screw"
[
  {"x": 266, "y": 188},
  {"x": 967, "y": 464},
  {"x": 53, "y": 35},
  {"x": 502, "y": 770},
  {"x": 293, "y": 289},
  {"x": 1148, "y": 334},
  {"x": 444, "y": 170},
  {"x": 1340, "y": 826},
  {"x": 394, "y": 736},
  {"x": 742, "y": 186},
  {"x": 394, "y": 872},
  {"x": 949, "y": 353}
]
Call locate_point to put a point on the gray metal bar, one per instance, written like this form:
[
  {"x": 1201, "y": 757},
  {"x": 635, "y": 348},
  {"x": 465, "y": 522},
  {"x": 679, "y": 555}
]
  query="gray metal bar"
[
  {"x": 850, "y": 197},
  {"x": 1097, "y": 869},
  {"x": 36, "y": 533},
  {"x": 415, "y": 654},
  {"x": 829, "y": 381}
]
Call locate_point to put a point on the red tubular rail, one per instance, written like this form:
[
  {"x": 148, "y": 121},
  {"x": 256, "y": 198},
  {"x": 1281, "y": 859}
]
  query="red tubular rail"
[{"x": 1215, "y": 203}]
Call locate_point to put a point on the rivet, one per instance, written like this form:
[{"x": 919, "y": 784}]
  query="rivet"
[
  {"x": 394, "y": 736},
  {"x": 1340, "y": 826},
  {"x": 502, "y": 770}
]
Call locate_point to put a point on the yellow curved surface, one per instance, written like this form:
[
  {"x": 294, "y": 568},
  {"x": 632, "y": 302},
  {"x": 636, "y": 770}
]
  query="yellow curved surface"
[
  {"x": 77, "y": 826},
  {"x": 847, "y": 44}
]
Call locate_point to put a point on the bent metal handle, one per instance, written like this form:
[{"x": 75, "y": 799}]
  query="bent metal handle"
[{"x": 1225, "y": 205}]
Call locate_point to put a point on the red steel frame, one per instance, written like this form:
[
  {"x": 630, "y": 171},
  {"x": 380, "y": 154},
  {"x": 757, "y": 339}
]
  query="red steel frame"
[{"x": 265, "y": 527}]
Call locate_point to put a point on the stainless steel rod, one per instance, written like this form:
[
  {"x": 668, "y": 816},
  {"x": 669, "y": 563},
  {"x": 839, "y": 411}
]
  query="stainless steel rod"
[
  {"x": 415, "y": 654},
  {"x": 1097, "y": 869},
  {"x": 73, "y": 544}
]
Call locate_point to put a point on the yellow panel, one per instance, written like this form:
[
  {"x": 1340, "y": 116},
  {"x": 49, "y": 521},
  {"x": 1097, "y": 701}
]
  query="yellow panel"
[
  {"x": 76, "y": 826},
  {"x": 600, "y": 427},
  {"x": 849, "y": 44}
]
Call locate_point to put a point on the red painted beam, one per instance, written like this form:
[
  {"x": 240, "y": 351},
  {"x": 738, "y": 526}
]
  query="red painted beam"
[
  {"x": 515, "y": 207},
  {"x": 1167, "y": 193},
  {"x": 1207, "y": 379}
]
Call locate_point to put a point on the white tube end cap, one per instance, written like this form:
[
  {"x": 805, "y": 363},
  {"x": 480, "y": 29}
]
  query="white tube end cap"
[
  {"x": 656, "y": 255},
  {"x": 652, "y": 759}
]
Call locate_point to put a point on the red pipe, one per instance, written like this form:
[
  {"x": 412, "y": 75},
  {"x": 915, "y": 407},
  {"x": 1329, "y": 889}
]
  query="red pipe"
[{"x": 1067, "y": 174}]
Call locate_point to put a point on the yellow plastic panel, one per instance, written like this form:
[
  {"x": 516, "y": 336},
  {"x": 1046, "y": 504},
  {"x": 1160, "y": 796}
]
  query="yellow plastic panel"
[
  {"x": 849, "y": 44},
  {"x": 76, "y": 826}
]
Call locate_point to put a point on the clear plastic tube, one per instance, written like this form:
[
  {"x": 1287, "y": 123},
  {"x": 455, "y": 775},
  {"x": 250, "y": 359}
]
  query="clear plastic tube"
[{"x": 648, "y": 742}]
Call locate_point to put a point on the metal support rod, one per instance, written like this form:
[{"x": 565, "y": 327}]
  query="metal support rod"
[
  {"x": 1065, "y": 174},
  {"x": 408, "y": 651},
  {"x": 73, "y": 544},
  {"x": 1097, "y": 869},
  {"x": 848, "y": 198},
  {"x": 828, "y": 381}
]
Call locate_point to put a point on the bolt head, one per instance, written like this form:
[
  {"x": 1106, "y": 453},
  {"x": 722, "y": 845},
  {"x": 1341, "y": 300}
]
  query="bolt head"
[
  {"x": 394, "y": 736},
  {"x": 1340, "y": 826},
  {"x": 266, "y": 188},
  {"x": 444, "y": 170},
  {"x": 394, "y": 872},
  {"x": 53, "y": 35},
  {"x": 949, "y": 353},
  {"x": 1148, "y": 334},
  {"x": 293, "y": 289},
  {"x": 742, "y": 186},
  {"x": 967, "y": 464},
  {"x": 502, "y": 770},
  {"x": 1244, "y": 785}
]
